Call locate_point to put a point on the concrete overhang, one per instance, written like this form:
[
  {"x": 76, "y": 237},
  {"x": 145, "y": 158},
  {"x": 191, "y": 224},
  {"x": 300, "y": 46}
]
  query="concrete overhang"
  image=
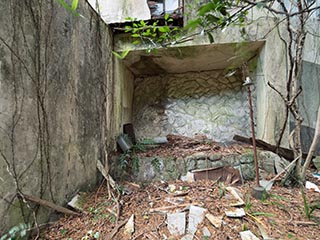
[{"x": 195, "y": 58}]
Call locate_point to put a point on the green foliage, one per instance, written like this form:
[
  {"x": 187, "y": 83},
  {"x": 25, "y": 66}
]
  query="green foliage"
[
  {"x": 222, "y": 189},
  {"x": 129, "y": 159},
  {"x": 156, "y": 164},
  {"x": 152, "y": 33},
  {"x": 214, "y": 14},
  {"x": 265, "y": 214},
  {"x": 135, "y": 163},
  {"x": 308, "y": 209},
  {"x": 121, "y": 55},
  {"x": 72, "y": 8},
  {"x": 17, "y": 232}
]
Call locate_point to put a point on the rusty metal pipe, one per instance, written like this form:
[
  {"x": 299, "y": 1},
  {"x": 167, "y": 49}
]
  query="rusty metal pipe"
[{"x": 248, "y": 83}]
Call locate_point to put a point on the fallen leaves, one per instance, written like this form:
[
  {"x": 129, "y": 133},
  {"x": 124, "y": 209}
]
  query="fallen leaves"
[{"x": 150, "y": 206}]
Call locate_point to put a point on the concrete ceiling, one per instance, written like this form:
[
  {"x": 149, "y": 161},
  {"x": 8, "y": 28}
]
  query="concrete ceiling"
[{"x": 192, "y": 58}]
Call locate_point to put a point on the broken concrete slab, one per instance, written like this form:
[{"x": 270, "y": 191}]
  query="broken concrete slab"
[
  {"x": 235, "y": 194},
  {"x": 129, "y": 227},
  {"x": 237, "y": 213},
  {"x": 196, "y": 216},
  {"x": 176, "y": 223},
  {"x": 248, "y": 235},
  {"x": 214, "y": 220}
]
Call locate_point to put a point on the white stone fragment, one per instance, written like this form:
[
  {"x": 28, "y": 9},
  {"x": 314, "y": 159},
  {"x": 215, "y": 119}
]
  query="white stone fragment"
[
  {"x": 206, "y": 232},
  {"x": 188, "y": 178},
  {"x": 129, "y": 227},
  {"x": 310, "y": 185},
  {"x": 238, "y": 213},
  {"x": 176, "y": 223},
  {"x": 215, "y": 221},
  {"x": 196, "y": 216},
  {"x": 267, "y": 185},
  {"x": 248, "y": 235},
  {"x": 75, "y": 203}
]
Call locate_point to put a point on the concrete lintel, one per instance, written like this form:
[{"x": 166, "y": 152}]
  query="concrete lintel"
[{"x": 195, "y": 58}]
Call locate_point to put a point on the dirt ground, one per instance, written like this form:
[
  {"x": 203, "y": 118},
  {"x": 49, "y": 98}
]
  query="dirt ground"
[{"x": 283, "y": 214}]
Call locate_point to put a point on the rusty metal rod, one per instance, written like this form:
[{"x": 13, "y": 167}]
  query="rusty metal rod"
[{"x": 253, "y": 137}]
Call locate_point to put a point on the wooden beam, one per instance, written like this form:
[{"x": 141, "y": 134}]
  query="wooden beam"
[
  {"x": 282, "y": 152},
  {"x": 50, "y": 205}
]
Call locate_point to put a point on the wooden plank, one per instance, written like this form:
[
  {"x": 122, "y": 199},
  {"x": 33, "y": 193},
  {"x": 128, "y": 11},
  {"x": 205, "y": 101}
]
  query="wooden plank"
[{"x": 282, "y": 152}]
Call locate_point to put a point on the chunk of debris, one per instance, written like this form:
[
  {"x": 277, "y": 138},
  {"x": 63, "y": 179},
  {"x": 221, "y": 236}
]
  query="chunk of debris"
[
  {"x": 176, "y": 223},
  {"x": 236, "y": 196},
  {"x": 215, "y": 221},
  {"x": 189, "y": 177},
  {"x": 196, "y": 216},
  {"x": 75, "y": 203},
  {"x": 267, "y": 185},
  {"x": 238, "y": 213},
  {"x": 129, "y": 227},
  {"x": 310, "y": 185},
  {"x": 206, "y": 232},
  {"x": 248, "y": 235}
]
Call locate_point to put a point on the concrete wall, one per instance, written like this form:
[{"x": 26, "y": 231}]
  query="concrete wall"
[
  {"x": 55, "y": 76},
  {"x": 191, "y": 103},
  {"x": 117, "y": 11},
  {"x": 125, "y": 80}
]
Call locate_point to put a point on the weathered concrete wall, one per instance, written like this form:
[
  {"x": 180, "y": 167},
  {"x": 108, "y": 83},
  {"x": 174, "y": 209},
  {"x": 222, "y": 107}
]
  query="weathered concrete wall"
[
  {"x": 117, "y": 11},
  {"x": 309, "y": 103},
  {"x": 55, "y": 74},
  {"x": 186, "y": 104},
  {"x": 125, "y": 79}
]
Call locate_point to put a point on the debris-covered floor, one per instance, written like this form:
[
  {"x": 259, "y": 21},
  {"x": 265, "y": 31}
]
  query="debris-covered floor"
[{"x": 282, "y": 215}]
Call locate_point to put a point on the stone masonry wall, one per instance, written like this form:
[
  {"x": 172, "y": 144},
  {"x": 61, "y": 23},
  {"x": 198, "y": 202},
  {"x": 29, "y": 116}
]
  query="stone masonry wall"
[
  {"x": 191, "y": 103},
  {"x": 54, "y": 67}
]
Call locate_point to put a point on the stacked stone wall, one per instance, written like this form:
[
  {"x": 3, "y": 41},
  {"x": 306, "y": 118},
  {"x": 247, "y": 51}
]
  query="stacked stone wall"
[{"x": 191, "y": 103}]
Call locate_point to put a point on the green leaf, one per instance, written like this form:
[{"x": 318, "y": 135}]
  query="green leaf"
[
  {"x": 193, "y": 24},
  {"x": 206, "y": 8},
  {"x": 212, "y": 18},
  {"x": 211, "y": 39},
  {"x": 68, "y": 8},
  {"x": 164, "y": 29},
  {"x": 74, "y": 5},
  {"x": 166, "y": 16},
  {"x": 135, "y": 35},
  {"x": 122, "y": 55},
  {"x": 136, "y": 42}
]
